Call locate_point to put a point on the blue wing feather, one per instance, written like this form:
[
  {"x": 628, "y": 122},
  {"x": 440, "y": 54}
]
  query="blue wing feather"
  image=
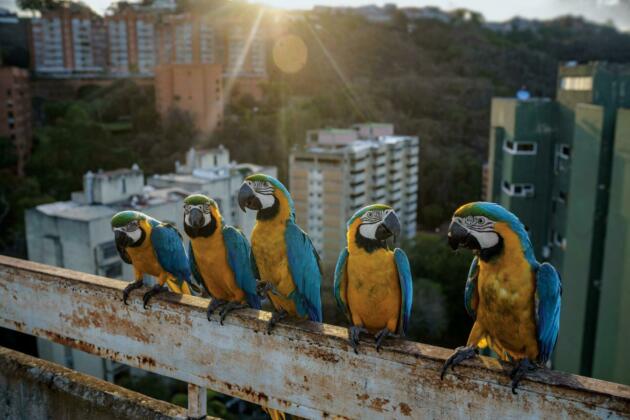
[
  {"x": 340, "y": 274},
  {"x": 306, "y": 272},
  {"x": 548, "y": 296},
  {"x": 170, "y": 252},
  {"x": 470, "y": 292},
  {"x": 406, "y": 289},
  {"x": 239, "y": 252}
]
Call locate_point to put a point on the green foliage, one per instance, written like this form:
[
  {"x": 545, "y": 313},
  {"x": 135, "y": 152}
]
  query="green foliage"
[{"x": 440, "y": 276}]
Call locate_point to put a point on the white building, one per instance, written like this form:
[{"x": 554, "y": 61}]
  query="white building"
[{"x": 341, "y": 170}]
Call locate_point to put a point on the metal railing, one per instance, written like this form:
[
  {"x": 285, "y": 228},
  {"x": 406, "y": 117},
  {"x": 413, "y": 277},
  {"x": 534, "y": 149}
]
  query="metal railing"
[{"x": 302, "y": 368}]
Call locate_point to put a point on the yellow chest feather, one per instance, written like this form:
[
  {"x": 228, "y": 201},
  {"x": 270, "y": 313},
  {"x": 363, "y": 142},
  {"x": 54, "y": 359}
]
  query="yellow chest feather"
[
  {"x": 269, "y": 248},
  {"x": 144, "y": 259},
  {"x": 212, "y": 262},
  {"x": 374, "y": 293}
]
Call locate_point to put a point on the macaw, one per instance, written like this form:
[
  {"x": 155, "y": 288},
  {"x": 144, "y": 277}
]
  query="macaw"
[
  {"x": 153, "y": 248},
  {"x": 219, "y": 257},
  {"x": 373, "y": 284},
  {"x": 514, "y": 299},
  {"x": 283, "y": 256}
]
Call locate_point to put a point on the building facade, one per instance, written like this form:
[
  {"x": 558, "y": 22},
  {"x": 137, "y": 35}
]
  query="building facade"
[
  {"x": 196, "y": 88},
  {"x": 559, "y": 166},
  {"x": 341, "y": 170},
  {"x": 15, "y": 113},
  {"x": 68, "y": 40}
]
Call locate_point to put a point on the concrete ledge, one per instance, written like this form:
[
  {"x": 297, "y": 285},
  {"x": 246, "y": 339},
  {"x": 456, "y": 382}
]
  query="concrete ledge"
[
  {"x": 302, "y": 368},
  {"x": 32, "y": 388}
]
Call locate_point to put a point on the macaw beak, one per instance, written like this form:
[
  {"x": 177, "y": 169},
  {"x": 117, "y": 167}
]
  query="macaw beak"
[
  {"x": 459, "y": 235},
  {"x": 196, "y": 218},
  {"x": 390, "y": 226},
  {"x": 247, "y": 198},
  {"x": 122, "y": 239}
]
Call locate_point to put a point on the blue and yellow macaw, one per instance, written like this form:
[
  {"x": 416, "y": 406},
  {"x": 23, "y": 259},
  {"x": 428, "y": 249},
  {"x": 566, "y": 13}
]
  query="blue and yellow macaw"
[
  {"x": 514, "y": 299},
  {"x": 219, "y": 257},
  {"x": 373, "y": 284},
  {"x": 154, "y": 248},
  {"x": 283, "y": 255}
]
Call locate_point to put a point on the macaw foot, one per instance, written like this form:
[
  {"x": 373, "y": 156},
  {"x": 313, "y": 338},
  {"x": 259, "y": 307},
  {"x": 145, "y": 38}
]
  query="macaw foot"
[
  {"x": 229, "y": 307},
  {"x": 264, "y": 287},
  {"x": 275, "y": 317},
  {"x": 131, "y": 287},
  {"x": 214, "y": 305},
  {"x": 381, "y": 336},
  {"x": 522, "y": 367},
  {"x": 354, "y": 333},
  {"x": 460, "y": 354},
  {"x": 157, "y": 289}
]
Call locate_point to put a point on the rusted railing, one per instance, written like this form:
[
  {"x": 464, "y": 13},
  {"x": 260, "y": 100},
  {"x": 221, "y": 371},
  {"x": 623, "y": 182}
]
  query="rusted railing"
[{"x": 302, "y": 368}]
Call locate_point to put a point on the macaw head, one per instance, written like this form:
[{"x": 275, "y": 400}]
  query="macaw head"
[
  {"x": 483, "y": 227},
  {"x": 129, "y": 228},
  {"x": 201, "y": 216},
  {"x": 267, "y": 196},
  {"x": 372, "y": 225}
]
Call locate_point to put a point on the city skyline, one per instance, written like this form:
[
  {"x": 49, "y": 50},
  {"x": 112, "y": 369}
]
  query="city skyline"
[{"x": 596, "y": 10}]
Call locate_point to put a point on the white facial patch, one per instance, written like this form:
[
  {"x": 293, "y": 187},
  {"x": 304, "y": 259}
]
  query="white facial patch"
[
  {"x": 481, "y": 228},
  {"x": 369, "y": 230},
  {"x": 264, "y": 192},
  {"x": 134, "y": 235},
  {"x": 266, "y": 201}
]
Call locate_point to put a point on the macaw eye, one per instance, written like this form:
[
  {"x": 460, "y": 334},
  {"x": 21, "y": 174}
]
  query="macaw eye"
[
  {"x": 187, "y": 208},
  {"x": 206, "y": 208},
  {"x": 131, "y": 226},
  {"x": 480, "y": 220}
]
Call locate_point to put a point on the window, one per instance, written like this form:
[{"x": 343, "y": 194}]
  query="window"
[
  {"x": 520, "y": 147},
  {"x": 108, "y": 250},
  {"x": 518, "y": 190},
  {"x": 576, "y": 83},
  {"x": 112, "y": 270},
  {"x": 558, "y": 240},
  {"x": 563, "y": 151}
]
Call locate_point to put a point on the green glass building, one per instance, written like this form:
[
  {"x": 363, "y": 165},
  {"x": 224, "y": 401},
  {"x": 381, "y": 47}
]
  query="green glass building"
[{"x": 563, "y": 166}]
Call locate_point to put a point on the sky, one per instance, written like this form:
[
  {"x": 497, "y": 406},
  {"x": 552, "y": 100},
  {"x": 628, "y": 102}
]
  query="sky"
[{"x": 493, "y": 10}]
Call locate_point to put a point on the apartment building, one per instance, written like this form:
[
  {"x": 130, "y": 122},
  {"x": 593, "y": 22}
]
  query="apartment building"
[
  {"x": 15, "y": 113},
  {"x": 70, "y": 39},
  {"x": 338, "y": 171},
  {"x": 196, "y": 88},
  {"x": 132, "y": 40},
  {"x": 561, "y": 166}
]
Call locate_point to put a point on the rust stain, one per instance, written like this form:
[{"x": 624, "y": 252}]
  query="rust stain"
[
  {"x": 322, "y": 355},
  {"x": 405, "y": 409},
  {"x": 363, "y": 397},
  {"x": 110, "y": 322},
  {"x": 378, "y": 404}
]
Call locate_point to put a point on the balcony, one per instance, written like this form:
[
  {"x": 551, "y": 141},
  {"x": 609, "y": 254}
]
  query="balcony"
[{"x": 303, "y": 368}]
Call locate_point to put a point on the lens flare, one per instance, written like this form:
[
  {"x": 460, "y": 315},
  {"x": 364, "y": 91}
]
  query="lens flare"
[{"x": 290, "y": 54}]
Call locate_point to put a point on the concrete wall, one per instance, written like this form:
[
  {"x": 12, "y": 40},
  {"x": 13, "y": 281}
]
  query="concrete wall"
[{"x": 32, "y": 388}]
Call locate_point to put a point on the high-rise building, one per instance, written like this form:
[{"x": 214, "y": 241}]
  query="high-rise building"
[
  {"x": 196, "y": 88},
  {"x": 15, "y": 113},
  {"x": 69, "y": 39},
  {"x": 132, "y": 40},
  {"x": 338, "y": 171},
  {"x": 560, "y": 165}
]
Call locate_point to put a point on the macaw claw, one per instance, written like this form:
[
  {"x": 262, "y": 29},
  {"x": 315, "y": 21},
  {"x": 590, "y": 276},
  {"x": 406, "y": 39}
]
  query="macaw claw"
[
  {"x": 275, "y": 317},
  {"x": 214, "y": 305},
  {"x": 381, "y": 336},
  {"x": 152, "y": 292},
  {"x": 229, "y": 307},
  {"x": 354, "y": 333},
  {"x": 131, "y": 287},
  {"x": 522, "y": 367},
  {"x": 460, "y": 354}
]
